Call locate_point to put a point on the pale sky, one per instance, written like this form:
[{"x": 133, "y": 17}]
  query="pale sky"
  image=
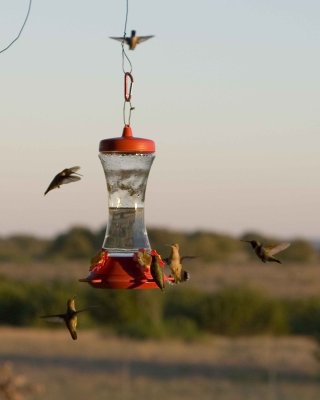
[{"x": 228, "y": 90}]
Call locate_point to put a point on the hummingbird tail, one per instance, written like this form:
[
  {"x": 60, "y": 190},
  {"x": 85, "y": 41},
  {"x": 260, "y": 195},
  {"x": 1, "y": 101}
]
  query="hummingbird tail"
[
  {"x": 185, "y": 276},
  {"x": 74, "y": 335},
  {"x": 272, "y": 259}
]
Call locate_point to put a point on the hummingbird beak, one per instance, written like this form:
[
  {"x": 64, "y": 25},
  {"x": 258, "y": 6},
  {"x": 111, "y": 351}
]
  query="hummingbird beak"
[{"x": 247, "y": 241}]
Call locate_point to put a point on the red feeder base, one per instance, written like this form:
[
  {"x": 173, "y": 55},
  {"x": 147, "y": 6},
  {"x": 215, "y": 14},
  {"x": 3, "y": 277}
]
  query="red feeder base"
[{"x": 119, "y": 272}]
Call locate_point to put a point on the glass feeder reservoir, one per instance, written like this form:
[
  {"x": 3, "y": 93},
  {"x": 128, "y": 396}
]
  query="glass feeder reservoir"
[
  {"x": 126, "y": 176},
  {"x": 126, "y": 162}
]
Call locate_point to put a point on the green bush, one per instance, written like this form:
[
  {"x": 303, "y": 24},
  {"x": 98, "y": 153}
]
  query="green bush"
[
  {"x": 178, "y": 312},
  {"x": 182, "y": 327},
  {"x": 14, "y": 310},
  {"x": 304, "y": 316},
  {"x": 241, "y": 311}
]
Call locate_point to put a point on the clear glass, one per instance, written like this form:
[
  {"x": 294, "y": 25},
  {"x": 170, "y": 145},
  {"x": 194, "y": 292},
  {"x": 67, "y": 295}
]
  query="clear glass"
[{"x": 126, "y": 177}]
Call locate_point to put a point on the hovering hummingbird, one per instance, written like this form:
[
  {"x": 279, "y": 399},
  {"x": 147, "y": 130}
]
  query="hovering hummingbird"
[
  {"x": 63, "y": 177},
  {"x": 174, "y": 261},
  {"x": 157, "y": 270},
  {"x": 69, "y": 317},
  {"x": 266, "y": 253},
  {"x": 133, "y": 40}
]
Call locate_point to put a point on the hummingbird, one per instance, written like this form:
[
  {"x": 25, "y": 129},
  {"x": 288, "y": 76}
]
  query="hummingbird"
[
  {"x": 69, "y": 317},
  {"x": 133, "y": 40},
  {"x": 174, "y": 261},
  {"x": 266, "y": 253},
  {"x": 157, "y": 270},
  {"x": 63, "y": 177},
  {"x": 98, "y": 260},
  {"x": 143, "y": 258}
]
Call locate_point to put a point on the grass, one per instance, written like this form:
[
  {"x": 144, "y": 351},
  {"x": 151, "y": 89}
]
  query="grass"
[{"x": 99, "y": 366}]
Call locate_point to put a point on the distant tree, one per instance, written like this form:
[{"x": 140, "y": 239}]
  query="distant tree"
[
  {"x": 213, "y": 246},
  {"x": 77, "y": 243},
  {"x": 20, "y": 248},
  {"x": 301, "y": 251},
  {"x": 99, "y": 237},
  {"x": 80, "y": 242}
]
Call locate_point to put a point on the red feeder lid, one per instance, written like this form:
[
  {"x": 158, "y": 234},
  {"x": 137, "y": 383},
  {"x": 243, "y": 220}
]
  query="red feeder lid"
[{"x": 127, "y": 144}]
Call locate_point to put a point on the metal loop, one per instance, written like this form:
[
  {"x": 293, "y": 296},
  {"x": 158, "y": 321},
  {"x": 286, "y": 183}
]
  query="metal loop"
[{"x": 125, "y": 119}]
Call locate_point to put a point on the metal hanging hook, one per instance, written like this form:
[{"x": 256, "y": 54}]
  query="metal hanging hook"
[{"x": 128, "y": 81}]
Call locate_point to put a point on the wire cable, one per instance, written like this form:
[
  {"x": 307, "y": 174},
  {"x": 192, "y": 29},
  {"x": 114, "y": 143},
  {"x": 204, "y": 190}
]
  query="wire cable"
[
  {"x": 126, "y": 19},
  {"x": 124, "y": 54},
  {"x": 21, "y": 29}
]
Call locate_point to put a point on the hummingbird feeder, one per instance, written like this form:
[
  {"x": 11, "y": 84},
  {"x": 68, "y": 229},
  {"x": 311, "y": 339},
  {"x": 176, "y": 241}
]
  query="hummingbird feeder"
[{"x": 126, "y": 162}]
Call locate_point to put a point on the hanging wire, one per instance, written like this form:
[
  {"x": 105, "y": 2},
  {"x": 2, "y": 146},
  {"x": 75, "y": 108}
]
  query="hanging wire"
[
  {"x": 124, "y": 54},
  {"x": 23, "y": 25},
  {"x": 127, "y": 101}
]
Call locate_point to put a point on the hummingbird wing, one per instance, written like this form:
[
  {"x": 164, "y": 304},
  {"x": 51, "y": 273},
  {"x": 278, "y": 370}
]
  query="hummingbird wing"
[
  {"x": 141, "y": 39},
  {"x": 69, "y": 179},
  {"x": 187, "y": 258},
  {"x": 86, "y": 309},
  {"x": 54, "y": 317},
  {"x": 73, "y": 169},
  {"x": 275, "y": 249},
  {"x": 120, "y": 39}
]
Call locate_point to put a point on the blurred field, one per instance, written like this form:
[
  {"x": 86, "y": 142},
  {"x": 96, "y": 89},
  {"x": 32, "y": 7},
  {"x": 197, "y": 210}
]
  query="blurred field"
[
  {"x": 287, "y": 280},
  {"x": 98, "y": 366},
  {"x": 101, "y": 366}
]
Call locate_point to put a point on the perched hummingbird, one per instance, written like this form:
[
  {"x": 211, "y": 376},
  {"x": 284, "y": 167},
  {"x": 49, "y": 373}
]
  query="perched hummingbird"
[
  {"x": 98, "y": 260},
  {"x": 63, "y": 177},
  {"x": 69, "y": 317},
  {"x": 133, "y": 40},
  {"x": 143, "y": 258},
  {"x": 174, "y": 261},
  {"x": 266, "y": 253},
  {"x": 157, "y": 271}
]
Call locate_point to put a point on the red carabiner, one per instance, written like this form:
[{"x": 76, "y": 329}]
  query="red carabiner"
[{"x": 127, "y": 92}]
